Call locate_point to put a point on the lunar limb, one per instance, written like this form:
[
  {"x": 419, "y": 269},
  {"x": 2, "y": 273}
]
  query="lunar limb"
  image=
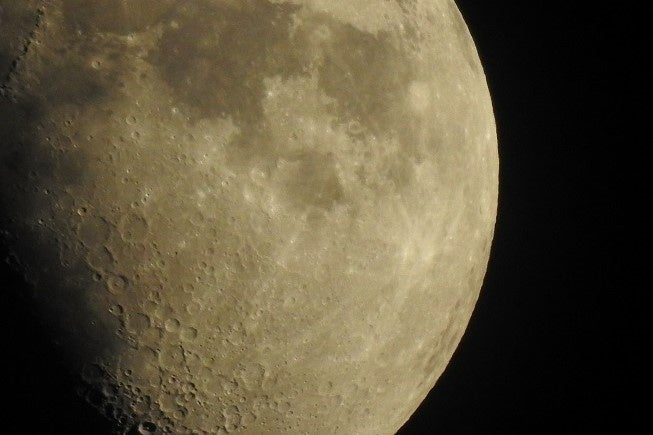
[{"x": 248, "y": 216}]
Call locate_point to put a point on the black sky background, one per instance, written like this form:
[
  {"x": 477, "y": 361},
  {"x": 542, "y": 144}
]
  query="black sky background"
[{"x": 546, "y": 350}]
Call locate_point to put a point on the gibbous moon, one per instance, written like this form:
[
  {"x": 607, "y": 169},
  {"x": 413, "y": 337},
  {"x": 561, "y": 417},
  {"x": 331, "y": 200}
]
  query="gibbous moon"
[{"x": 248, "y": 216}]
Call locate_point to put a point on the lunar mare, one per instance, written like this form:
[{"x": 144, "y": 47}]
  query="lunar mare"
[{"x": 248, "y": 216}]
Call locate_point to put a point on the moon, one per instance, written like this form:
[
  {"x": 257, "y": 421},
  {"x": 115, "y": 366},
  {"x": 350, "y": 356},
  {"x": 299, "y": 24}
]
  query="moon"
[{"x": 248, "y": 216}]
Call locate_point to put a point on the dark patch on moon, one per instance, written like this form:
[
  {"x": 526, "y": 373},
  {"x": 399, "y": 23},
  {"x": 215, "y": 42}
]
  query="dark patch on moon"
[
  {"x": 214, "y": 56},
  {"x": 368, "y": 76},
  {"x": 31, "y": 160},
  {"x": 32, "y": 143},
  {"x": 313, "y": 181},
  {"x": 82, "y": 80},
  {"x": 112, "y": 16}
]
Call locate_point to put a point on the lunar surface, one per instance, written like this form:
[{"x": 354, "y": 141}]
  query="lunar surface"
[{"x": 248, "y": 216}]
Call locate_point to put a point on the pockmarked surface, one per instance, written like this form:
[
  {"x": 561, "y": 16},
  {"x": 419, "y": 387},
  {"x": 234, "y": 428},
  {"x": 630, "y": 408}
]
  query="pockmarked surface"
[{"x": 248, "y": 216}]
